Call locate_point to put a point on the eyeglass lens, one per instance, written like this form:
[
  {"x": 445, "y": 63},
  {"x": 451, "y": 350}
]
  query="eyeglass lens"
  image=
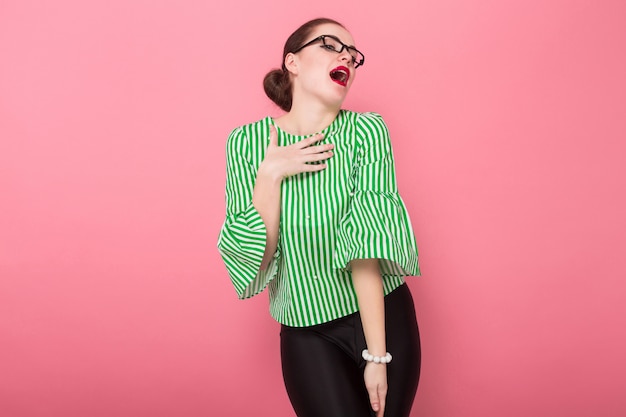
[{"x": 338, "y": 47}]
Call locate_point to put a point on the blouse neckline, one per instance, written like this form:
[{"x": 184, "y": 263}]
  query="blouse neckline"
[{"x": 332, "y": 127}]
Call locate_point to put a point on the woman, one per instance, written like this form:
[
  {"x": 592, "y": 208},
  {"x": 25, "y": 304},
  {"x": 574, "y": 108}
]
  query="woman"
[{"x": 313, "y": 213}]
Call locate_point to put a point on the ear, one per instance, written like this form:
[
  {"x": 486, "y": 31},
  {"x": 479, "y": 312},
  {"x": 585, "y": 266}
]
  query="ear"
[{"x": 291, "y": 63}]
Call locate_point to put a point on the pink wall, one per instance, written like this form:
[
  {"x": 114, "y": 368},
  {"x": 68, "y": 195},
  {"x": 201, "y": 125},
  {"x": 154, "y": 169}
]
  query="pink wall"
[{"x": 508, "y": 124}]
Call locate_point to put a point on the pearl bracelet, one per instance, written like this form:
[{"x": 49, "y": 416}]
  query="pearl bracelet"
[{"x": 376, "y": 359}]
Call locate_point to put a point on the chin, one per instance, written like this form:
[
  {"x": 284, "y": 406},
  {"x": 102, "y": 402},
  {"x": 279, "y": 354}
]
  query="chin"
[
  {"x": 330, "y": 95},
  {"x": 334, "y": 104}
]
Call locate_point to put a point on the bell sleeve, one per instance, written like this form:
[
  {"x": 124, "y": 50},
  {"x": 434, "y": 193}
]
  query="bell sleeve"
[
  {"x": 376, "y": 224},
  {"x": 242, "y": 239}
]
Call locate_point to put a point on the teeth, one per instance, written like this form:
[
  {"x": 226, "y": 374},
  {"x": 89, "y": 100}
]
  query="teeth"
[{"x": 340, "y": 75}]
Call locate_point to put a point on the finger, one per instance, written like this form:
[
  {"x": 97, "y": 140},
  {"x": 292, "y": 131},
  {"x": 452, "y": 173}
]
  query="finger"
[
  {"x": 305, "y": 143},
  {"x": 318, "y": 148},
  {"x": 314, "y": 167},
  {"x": 314, "y": 157},
  {"x": 382, "y": 397},
  {"x": 273, "y": 136},
  {"x": 374, "y": 401}
]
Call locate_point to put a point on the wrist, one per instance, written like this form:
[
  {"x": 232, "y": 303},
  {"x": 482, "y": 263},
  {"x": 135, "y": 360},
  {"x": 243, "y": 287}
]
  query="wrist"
[
  {"x": 368, "y": 357},
  {"x": 376, "y": 350},
  {"x": 268, "y": 175}
]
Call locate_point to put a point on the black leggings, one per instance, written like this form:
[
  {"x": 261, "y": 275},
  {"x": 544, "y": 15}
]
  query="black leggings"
[{"x": 323, "y": 367}]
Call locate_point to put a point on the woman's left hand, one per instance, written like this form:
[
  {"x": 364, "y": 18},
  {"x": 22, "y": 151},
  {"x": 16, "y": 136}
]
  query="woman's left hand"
[{"x": 375, "y": 376}]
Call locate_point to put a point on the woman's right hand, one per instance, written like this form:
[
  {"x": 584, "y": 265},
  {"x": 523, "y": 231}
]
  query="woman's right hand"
[
  {"x": 284, "y": 161},
  {"x": 375, "y": 377}
]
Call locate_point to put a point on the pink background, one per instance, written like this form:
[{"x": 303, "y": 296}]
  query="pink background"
[{"x": 508, "y": 123}]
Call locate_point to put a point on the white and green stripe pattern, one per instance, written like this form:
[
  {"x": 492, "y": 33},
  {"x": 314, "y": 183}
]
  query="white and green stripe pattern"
[{"x": 350, "y": 210}]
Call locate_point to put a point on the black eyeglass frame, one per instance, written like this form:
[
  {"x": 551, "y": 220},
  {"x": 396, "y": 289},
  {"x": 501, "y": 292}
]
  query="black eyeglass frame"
[{"x": 343, "y": 46}]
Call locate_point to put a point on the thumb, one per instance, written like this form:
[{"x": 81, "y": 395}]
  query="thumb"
[
  {"x": 273, "y": 136},
  {"x": 374, "y": 400}
]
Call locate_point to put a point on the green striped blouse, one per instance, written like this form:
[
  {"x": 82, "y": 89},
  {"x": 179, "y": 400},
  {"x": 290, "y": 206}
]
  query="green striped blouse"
[{"x": 350, "y": 210}]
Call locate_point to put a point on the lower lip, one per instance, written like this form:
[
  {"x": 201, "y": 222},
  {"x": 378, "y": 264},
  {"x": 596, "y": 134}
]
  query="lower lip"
[{"x": 341, "y": 83}]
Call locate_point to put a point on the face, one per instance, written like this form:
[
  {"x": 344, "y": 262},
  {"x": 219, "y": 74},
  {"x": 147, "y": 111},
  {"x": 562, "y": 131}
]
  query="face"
[{"x": 321, "y": 73}]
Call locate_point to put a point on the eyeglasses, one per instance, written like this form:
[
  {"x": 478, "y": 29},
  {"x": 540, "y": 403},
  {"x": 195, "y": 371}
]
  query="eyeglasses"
[{"x": 332, "y": 43}]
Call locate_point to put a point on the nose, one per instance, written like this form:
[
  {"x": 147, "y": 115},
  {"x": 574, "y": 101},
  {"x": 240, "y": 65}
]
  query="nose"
[{"x": 345, "y": 56}]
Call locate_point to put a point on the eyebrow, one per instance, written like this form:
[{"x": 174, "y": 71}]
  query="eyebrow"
[{"x": 351, "y": 46}]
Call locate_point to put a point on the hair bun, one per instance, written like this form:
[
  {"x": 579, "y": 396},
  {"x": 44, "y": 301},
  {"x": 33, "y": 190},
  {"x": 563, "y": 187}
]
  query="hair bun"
[{"x": 277, "y": 86}]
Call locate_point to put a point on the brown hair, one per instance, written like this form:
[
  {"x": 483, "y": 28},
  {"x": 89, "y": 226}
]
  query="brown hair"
[{"x": 277, "y": 84}]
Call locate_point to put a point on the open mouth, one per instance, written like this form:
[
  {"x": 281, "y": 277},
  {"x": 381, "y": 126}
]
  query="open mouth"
[{"x": 340, "y": 75}]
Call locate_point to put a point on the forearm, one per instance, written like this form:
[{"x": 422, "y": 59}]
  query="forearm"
[
  {"x": 368, "y": 285},
  {"x": 266, "y": 200}
]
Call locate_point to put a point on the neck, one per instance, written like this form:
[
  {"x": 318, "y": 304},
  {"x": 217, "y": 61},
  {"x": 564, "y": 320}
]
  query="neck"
[{"x": 307, "y": 118}]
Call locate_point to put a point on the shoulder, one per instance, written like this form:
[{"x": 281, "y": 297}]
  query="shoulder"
[
  {"x": 245, "y": 136},
  {"x": 363, "y": 118},
  {"x": 251, "y": 131},
  {"x": 371, "y": 121},
  {"x": 371, "y": 127},
  {"x": 372, "y": 131}
]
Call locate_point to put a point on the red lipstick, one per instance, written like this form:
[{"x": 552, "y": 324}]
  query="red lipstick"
[{"x": 340, "y": 75}]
